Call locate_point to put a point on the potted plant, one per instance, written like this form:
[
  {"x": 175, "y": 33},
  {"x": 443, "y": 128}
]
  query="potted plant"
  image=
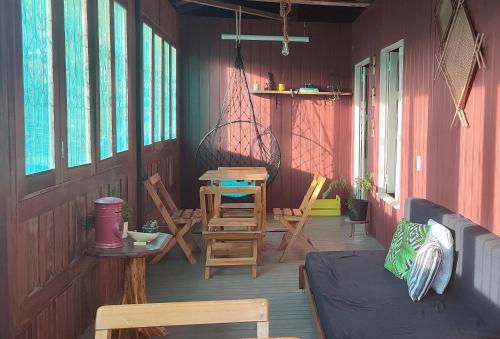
[
  {"x": 125, "y": 211},
  {"x": 357, "y": 204},
  {"x": 330, "y": 207}
]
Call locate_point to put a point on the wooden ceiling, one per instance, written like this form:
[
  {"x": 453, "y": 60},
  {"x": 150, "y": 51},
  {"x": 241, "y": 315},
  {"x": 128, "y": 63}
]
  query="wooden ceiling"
[{"x": 302, "y": 10}]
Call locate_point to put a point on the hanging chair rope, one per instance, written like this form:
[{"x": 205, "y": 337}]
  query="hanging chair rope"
[
  {"x": 285, "y": 8},
  {"x": 238, "y": 139}
]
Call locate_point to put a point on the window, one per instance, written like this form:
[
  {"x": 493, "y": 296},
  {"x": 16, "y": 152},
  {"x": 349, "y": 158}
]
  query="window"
[
  {"x": 105, "y": 104},
  {"x": 121, "y": 75},
  {"x": 391, "y": 94},
  {"x": 38, "y": 86},
  {"x": 147, "y": 48},
  {"x": 173, "y": 94},
  {"x": 157, "y": 89},
  {"x": 77, "y": 83},
  {"x": 166, "y": 91},
  {"x": 159, "y": 103}
]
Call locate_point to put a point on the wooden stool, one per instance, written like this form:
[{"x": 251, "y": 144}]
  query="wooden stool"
[{"x": 353, "y": 224}]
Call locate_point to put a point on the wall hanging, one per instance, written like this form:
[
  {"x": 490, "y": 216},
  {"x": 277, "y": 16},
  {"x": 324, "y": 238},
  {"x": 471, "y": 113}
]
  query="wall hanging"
[{"x": 461, "y": 56}]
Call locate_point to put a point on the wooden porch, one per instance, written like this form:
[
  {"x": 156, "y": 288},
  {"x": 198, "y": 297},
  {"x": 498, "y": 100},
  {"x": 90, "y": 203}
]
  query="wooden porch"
[{"x": 174, "y": 279}]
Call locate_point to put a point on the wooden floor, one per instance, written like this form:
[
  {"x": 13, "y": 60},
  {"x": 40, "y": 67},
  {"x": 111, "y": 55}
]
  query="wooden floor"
[{"x": 174, "y": 279}]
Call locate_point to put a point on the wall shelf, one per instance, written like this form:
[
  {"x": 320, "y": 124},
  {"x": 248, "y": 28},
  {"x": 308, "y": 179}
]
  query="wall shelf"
[{"x": 297, "y": 92}]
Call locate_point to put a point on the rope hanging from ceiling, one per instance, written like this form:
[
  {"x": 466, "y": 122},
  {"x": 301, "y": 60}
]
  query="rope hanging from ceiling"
[
  {"x": 238, "y": 140},
  {"x": 285, "y": 8}
]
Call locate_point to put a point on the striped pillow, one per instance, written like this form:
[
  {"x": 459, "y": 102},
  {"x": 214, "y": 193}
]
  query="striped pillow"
[{"x": 424, "y": 269}]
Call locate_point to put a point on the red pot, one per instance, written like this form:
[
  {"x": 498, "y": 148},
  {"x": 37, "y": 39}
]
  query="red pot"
[{"x": 107, "y": 222}]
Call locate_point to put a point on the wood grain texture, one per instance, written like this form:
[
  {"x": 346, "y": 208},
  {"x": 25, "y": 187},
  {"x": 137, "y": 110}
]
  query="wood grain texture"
[
  {"x": 460, "y": 168},
  {"x": 313, "y": 133}
]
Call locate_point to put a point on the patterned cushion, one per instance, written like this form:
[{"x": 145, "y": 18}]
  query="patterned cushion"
[
  {"x": 443, "y": 236},
  {"x": 406, "y": 241},
  {"x": 424, "y": 269}
]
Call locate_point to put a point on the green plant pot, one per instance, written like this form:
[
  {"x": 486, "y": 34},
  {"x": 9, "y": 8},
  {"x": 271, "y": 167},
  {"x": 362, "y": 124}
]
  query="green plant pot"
[{"x": 358, "y": 210}]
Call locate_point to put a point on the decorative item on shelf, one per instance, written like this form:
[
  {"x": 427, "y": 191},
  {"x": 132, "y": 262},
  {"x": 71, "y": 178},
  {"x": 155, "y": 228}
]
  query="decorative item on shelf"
[
  {"x": 357, "y": 203},
  {"x": 309, "y": 88},
  {"x": 334, "y": 86},
  {"x": 281, "y": 87},
  {"x": 256, "y": 86},
  {"x": 270, "y": 84}
]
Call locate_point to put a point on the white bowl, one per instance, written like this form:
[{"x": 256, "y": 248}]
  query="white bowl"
[{"x": 139, "y": 236}]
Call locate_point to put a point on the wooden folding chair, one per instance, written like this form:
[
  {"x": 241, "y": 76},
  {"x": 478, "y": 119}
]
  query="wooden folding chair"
[
  {"x": 142, "y": 316},
  {"x": 231, "y": 241},
  {"x": 295, "y": 219},
  {"x": 178, "y": 221}
]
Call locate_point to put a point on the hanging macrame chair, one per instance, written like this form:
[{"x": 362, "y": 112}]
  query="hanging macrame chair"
[{"x": 238, "y": 140}]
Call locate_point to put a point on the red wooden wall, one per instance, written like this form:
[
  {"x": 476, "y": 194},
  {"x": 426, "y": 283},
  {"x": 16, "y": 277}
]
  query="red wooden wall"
[
  {"x": 460, "y": 167},
  {"x": 48, "y": 287},
  {"x": 314, "y": 135}
]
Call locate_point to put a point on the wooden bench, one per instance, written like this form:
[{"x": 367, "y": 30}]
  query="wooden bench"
[{"x": 142, "y": 317}]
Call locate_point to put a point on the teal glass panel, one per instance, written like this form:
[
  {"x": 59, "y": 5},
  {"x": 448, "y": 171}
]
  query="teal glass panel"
[
  {"x": 157, "y": 88},
  {"x": 166, "y": 91},
  {"x": 173, "y": 96},
  {"x": 147, "y": 49},
  {"x": 121, "y": 75},
  {"x": 77, "y": 82},
  {"x": 105, "y": 122},
  {"x": 38, "y": 87}
]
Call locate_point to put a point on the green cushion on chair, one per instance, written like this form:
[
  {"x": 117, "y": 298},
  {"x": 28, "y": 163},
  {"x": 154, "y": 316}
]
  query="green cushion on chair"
[{"x": 407, "y": 239}]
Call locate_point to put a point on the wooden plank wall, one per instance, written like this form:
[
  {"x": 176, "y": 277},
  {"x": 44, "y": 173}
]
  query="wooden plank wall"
[
  {"x": 314, "y": 135},
  {"x": 460, "y": 167},
  {"x": 53, "y": 289}
]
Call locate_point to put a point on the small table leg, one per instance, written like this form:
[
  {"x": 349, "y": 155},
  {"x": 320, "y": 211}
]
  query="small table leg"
[{"x": 135, "y": 293}]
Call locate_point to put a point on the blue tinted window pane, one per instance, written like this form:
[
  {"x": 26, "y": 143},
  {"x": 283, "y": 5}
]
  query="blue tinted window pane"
[
  {"x": 106, "y": 132},
  {"x": 173, "y": 97},
  {"x": 166, "y": 91},
  {"x": 38, "y": 85},
  {"x": 147, "y": 41},
  {"x": 77, "y": 82},
  {"x": 157, "y": 89},
  {"x": 121, "y": 71}
]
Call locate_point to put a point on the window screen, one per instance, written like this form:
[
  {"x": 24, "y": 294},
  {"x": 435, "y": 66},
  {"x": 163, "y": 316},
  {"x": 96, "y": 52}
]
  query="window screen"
[
  {"x": 173, "y": 96},
  {"x": 121, "y": 74},
  {"x": 157, "y": 88},
  {"x": 38, "y": 85},
  {"x": 77, "y": 82},
  {"x": 148, "y": 77},
  {"x": 105, "y": 122},
  {"x": 166, "y": 91}
]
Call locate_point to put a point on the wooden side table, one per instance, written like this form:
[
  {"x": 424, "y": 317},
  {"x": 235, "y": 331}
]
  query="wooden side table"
[{"x": 134, "y": 291}]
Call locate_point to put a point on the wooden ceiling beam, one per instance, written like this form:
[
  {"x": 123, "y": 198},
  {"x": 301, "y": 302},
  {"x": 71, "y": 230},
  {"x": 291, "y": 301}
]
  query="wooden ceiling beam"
[
  {"x": 324, "y": 3},
  {"x": 232, "y": 7}
]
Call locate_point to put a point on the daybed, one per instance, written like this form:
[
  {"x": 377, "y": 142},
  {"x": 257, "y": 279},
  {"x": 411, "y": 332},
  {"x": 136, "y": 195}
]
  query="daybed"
[{"x": 353, "y": 296}]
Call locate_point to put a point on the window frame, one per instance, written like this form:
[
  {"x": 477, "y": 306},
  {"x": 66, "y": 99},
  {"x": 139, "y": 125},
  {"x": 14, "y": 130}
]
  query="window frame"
[
  {"x": 116, "y": 158},
  {"x": 28, "y": 184},
  {"x": 394, "y": 201},
  {"x": 156, "y": 146}
]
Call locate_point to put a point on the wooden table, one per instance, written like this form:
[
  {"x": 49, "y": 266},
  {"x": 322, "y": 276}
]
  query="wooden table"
[
  {"x": 134, "y": 291},
  {"x": 257, "y": 174}
]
